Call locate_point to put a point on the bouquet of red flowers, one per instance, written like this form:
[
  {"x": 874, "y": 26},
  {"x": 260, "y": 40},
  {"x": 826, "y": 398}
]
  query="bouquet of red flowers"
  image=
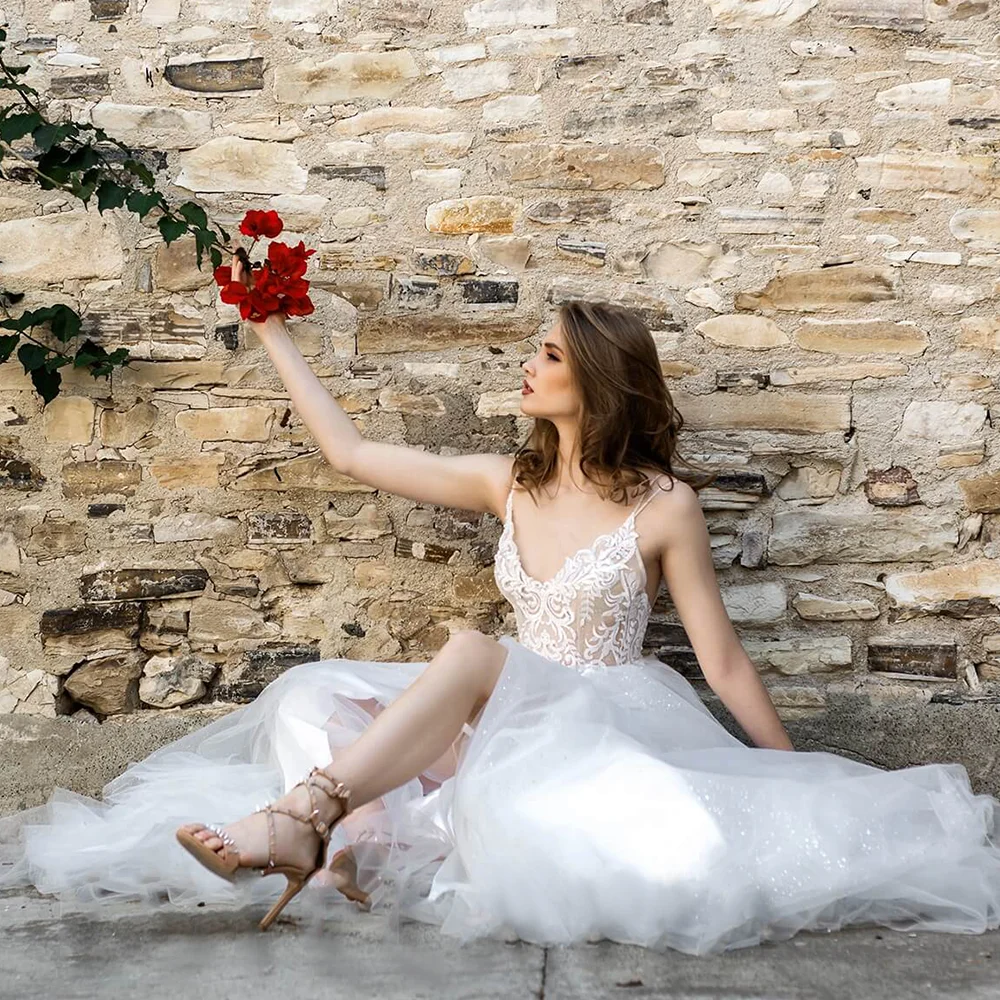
[{"x": 277, "y": 285}]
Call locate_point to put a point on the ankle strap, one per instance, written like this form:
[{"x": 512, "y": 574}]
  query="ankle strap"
[{"x": 318, "y": 778}]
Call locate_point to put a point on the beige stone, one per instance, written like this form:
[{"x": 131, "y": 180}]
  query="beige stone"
[
  {"x": 912, "y": 170},
  {"x": 827, "y": 288},
  {"x": 421, "y": 119},
  {"x": 69, "y": 420},
  {"x": 227, "y": 423},
  {"x": 10, "y": 554},
  {"x": 534, "y": 43},
  {"x": 229, "y": 163},
  {"x": 499, "y": 13},
  {"x": 169, "y": 681},
  {"x": 776, "y": 411},
  {"x": 55, "y": 538},
  {"x": 151, "y": 126},
  {"x": 194, "y": 526},
  {"x": 755, "y": 602},
  {"x": 345, "y": 76},
  {"x": 801, "y": 655},
  {"x": 683, "y": 264},
  {"x": 980, "y": 225},
  {"x": 193, "y": 471},
  {"x": 573, "y": 166},
  {"x": 867, "y": 336},
  {"x": 108, "y": 684},
  {"x": 477, "y": 214},
  {"x": 942, "y": 421},
  {"x": 813, "y": 607},
  {"x": 388, "y": 333},
  {"x": 121, "y": 428},
  {"x": 929, "y": 589},
  {"x": 810, "y": 375},
  {"x": 175, "y": 267},
  {"x": 748, "y": 332},
  {"x": 759, "y": 13},
  {"x": 981, "y": 332},
  {"x": 431, "y": 148},
  {"x": 754, "y": 119},
  {"x": 84, "y": 479},
  {"x": 467, "y": 83},
  {"x": 310, "y": 472},
  {"x": 47, "y": 249},
  {"x": 804, "y": 536},
  {"x": 220, "y": 624},
  {"x": 982, "y": 493}
]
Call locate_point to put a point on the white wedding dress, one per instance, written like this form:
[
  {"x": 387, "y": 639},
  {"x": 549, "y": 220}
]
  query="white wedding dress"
[{"x": 595, "y": 796}]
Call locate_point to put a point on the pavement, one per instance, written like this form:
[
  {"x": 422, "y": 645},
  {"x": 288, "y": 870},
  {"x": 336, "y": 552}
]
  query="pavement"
[{"x": 50, "y": 949}]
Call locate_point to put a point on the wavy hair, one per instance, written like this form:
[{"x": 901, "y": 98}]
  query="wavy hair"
[{"x": 629, "y": 422}]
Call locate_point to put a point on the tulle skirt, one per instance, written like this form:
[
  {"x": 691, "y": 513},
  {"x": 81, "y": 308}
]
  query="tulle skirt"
[{"x": 579, "y": 805}]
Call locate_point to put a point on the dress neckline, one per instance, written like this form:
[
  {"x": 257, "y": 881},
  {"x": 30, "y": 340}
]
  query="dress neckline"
[{"x": 567, "y": 562}]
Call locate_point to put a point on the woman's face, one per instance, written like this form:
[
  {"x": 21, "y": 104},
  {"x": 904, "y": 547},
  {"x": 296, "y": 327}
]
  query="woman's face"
[{"x": 548, "y": 376}]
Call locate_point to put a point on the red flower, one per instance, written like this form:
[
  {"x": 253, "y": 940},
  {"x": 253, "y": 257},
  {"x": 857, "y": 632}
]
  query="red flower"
[
  {"x": 289, "y": 262},
  {"x": 261, "y": 224},
  {"x": 277, "y": 285}
]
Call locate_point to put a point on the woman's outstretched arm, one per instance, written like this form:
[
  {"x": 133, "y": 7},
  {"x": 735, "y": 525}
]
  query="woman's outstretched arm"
[
  {"x": 467, "y": 482},
  {"x": 689, "y": 573}
]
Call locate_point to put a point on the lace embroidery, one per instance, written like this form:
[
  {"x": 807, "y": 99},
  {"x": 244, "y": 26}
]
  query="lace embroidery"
[{"x": 593, "y": 611}]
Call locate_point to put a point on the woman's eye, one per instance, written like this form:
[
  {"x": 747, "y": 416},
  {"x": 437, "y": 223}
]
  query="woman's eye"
[{"x": 552, "y": 356}]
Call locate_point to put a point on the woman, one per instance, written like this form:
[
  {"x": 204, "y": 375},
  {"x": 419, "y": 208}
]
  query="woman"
[{"x": 559, "y": 785}]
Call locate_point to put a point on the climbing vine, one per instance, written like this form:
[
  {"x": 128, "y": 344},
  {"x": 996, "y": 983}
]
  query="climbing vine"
[{"x": 84, "y": 161}]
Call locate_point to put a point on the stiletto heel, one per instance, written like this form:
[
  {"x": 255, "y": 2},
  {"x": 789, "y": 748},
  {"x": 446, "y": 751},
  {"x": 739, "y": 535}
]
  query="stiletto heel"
[{"x": 226, "y": 863}]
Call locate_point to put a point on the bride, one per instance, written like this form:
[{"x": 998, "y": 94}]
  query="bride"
[{"x": 559, "y": 785}]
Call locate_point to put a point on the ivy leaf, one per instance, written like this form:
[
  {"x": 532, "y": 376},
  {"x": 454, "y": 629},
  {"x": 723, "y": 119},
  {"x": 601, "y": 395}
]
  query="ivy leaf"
[
  {"x": 7, "y": 345},
  {"x": 110, "y": 195},
  {"x": 88, "y": 353},
  {"x": 32, "y": 356},
  {"x": 142, "y": 204},
  {"x": 65, "y": 323},
  {"x": 48, "y": 135},
  {"x": 171, "y": 229},
  {"x": 13, "y": 127},
  {"x": 141, "y": 171},
  {"x": 195, "y": 214},
  {"x": 47, "y": 383},
  {"x": 216, "y": 254}
]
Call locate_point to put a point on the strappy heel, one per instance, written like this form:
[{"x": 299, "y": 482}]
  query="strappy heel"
[{"x": 226, "y": 864}]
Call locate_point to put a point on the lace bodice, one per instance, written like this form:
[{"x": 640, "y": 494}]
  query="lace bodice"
[{"x": 594, "y": 610}]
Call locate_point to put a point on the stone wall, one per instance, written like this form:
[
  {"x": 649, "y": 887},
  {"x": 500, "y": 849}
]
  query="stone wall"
[{"x": 801, "y": 197}]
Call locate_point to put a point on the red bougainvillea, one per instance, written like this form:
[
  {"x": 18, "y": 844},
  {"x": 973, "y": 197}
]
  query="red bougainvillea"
[{"x": 277, "y": 284}]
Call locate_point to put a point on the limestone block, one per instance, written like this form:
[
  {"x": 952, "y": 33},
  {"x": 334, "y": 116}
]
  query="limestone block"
[
  {"x": 801, "y": 655},
  {"x": 169, "y": 681},
  {"x": 497, "y": 13},
  {"x": 121, "y": 428},
  {"x": 759, "y": 13},
  {"x": 153, "y": 127},
  {"x": 800, "y": 412},
  {"x": 477, "y": 214},
  {"x": 194, "y": 526},
  {"x": 799, "y": 537},
  {"x": 188, "y": 472},
  {"x": 594, "y": 166},
  {"x": 749, "y": 332},
  {"x": 813, "y": 607},
  {"x": 344, "y": 77},
  {"x": 755, "y": 602},
  {"x": 108, "y": 685},
  {"x": 944, "y": 422},
  {"x": 69, "y": 420},
  {"x": 227, "y": 423},
  {"x": 827, "y": 288},
  {"x": 929, "y": 589},
  {"x": 866, "y": 336},
  {"x": 48, "y": 249},
  {"x": 229, "y": 163}
]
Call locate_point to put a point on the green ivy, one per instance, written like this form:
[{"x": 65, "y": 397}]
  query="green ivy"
[{"x": 86, "y": 162}]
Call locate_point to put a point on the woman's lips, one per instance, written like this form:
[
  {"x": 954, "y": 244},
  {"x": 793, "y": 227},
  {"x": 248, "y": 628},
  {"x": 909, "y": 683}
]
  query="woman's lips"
[{"x": 525, "y": 389}]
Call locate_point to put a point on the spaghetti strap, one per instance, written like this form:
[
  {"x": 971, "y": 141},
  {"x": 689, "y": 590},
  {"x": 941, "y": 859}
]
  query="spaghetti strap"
[{"x": 653, "y": 490}]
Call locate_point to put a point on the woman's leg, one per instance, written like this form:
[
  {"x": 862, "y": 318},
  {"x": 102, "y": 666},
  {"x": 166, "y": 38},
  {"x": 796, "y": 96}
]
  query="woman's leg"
[{"x": 404, "y": 739}]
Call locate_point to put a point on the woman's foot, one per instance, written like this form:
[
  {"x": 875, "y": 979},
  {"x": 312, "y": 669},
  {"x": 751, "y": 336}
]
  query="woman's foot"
[{"x": 295, "y": 843}]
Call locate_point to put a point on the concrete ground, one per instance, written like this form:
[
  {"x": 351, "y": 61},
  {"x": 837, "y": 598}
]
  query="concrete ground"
[{"x": 128, "y": 950}]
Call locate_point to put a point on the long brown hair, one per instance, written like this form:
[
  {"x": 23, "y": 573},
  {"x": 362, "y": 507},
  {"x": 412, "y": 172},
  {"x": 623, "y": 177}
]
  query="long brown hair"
[{"x": 629, "y": 421}]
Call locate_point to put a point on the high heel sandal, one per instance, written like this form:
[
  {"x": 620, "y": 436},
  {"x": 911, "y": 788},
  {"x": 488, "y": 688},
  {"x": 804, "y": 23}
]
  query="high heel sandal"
[{"x": 226, "y": 863}]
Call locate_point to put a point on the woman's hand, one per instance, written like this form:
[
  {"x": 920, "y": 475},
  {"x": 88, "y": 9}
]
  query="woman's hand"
[{"x": 241, "y": 274}]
